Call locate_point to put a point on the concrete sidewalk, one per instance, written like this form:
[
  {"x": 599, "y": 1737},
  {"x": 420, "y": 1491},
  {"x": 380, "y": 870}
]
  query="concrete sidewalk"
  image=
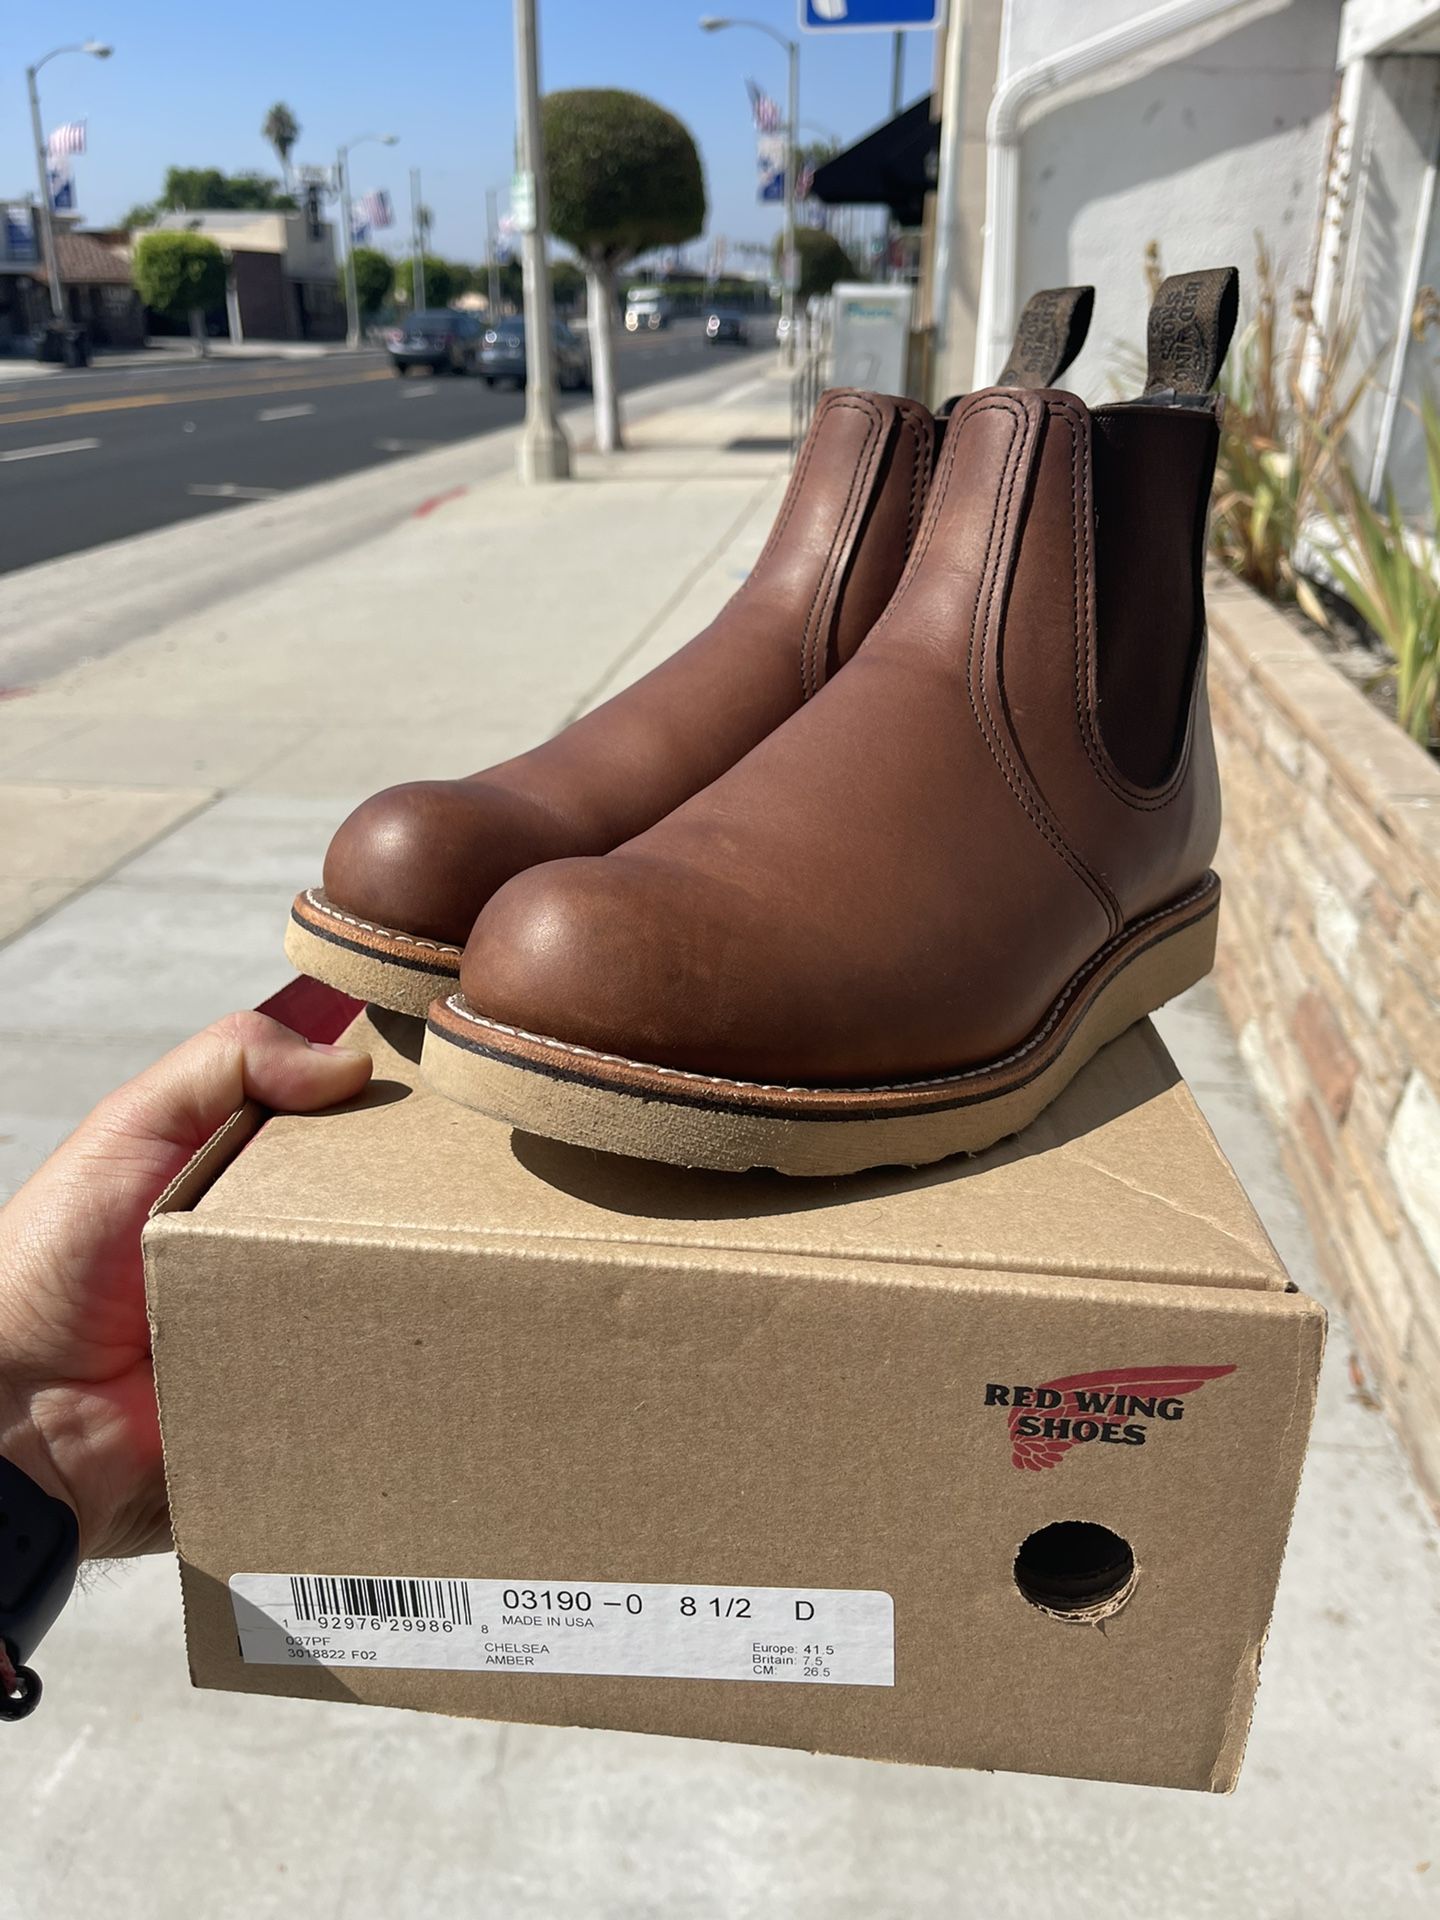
[{"x": 158, "y": 807}]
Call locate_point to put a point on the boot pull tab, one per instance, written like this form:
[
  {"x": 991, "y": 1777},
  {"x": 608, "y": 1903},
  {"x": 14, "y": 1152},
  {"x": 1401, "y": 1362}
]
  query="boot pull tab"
[
  {"x": 1191, "y": 321},
  {"x": 1048, "y": 335}
]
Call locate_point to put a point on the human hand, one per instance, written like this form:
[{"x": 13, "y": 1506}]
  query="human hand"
[{"x": 77, "y": 1394}]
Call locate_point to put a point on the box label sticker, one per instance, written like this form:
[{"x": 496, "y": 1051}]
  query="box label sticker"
[{"x": 822, "y": 1636}]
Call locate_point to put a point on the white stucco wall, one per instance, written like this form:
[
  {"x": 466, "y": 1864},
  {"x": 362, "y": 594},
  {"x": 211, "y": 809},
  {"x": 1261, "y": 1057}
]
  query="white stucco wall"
[{"x": 1197, "y": 155}]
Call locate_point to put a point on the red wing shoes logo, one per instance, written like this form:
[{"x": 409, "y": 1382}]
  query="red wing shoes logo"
[{"x": 1116, "y": 1405}]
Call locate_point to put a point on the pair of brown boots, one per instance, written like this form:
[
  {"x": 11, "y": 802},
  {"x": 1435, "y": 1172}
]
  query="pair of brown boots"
[{"x": 866, "y": 872}]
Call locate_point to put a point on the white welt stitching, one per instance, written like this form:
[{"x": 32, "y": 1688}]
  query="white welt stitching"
[
  {"x": 368, "y": 926},
  {"x": 458, "y": 1006}
]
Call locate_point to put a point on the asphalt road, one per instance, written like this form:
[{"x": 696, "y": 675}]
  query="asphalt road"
[{"x": 99, "y": 455}]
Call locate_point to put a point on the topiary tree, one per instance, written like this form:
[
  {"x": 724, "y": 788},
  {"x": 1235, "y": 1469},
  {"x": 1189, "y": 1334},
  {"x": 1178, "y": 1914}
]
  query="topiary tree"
[
  {"x": 821, "y": 259},
  {"x": 180, "y": 273},
  {"x": 442, "y": 281},
  {"x": 624, "y": 176},
  {"x": 374, "y": 277}
]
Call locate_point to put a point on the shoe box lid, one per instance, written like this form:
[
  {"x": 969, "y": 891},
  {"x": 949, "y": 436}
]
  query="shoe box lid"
[
  {"x": 1120, "y": 1179},
  {"x": 1017, "y": 1439}
]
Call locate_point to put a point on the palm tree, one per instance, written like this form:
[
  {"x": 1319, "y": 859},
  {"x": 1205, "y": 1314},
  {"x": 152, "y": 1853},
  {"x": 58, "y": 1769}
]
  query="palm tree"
[{"x": 282, "y": 130}]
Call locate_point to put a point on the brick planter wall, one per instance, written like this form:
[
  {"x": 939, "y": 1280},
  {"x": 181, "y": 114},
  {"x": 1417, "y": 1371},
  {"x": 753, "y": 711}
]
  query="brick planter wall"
[{"x": 1329, "y": 969}]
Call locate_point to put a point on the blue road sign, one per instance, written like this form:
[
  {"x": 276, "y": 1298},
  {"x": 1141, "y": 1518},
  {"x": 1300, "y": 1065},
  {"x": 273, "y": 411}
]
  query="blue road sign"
[{"x": 870, "y": 16}]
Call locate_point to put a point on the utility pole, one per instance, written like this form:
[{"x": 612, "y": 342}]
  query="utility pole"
[
  {"x": 492, "y": 224},
  {"x": 417, "y": 244},
  {"x": 544, "y": 452}
]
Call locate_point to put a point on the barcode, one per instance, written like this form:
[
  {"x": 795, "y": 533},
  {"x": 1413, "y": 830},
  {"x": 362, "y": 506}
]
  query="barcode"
[{"x": 315, "y": 1596}]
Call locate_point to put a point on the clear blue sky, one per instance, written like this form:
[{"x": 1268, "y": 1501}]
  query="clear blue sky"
[{"x": 189, "y": 85}]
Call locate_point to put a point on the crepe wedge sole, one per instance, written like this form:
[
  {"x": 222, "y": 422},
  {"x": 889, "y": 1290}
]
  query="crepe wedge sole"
[
  {"x": 380, "y": 964},
  {"x": 592, "y": 1099}
]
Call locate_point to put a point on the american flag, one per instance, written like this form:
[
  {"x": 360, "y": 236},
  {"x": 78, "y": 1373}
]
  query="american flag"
[
  {"x": 66, "y": 140},
  {"x": 765, "y": 110},
  {"x": 374, "y": 210}
]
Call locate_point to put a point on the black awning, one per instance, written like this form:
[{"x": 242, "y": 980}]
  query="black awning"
[{"x": 892, "y": 166}]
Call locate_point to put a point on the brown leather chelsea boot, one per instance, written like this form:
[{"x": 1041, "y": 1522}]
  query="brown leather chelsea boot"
[
  {"x": 408, "y": 873},
  {"x": 903, "y": 923}
]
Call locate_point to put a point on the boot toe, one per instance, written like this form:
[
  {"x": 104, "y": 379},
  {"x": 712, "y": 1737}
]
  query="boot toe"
[
  {"x": 425, "y": 857},
  {"x": 596, "y": 954}
]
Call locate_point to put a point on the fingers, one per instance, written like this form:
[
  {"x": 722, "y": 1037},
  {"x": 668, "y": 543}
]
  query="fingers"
[
  {"x": 184, "y": 1097},
  {"x": 71, "y": 1293},
  {"x": 294, "y": 1075}
]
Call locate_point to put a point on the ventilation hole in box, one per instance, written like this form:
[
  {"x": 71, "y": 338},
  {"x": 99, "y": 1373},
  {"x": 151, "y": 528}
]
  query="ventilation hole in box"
[{"x": 1076, "y": 1570}]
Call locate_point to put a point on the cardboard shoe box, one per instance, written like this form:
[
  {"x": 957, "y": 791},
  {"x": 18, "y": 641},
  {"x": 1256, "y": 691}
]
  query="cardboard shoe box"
[{"x": 989, "y": 1464}]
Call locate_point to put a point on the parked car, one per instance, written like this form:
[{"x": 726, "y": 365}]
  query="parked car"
[
  {"x": 647, "y": 309},
  {"x": 447, "y": 341},
  {"x": 725, "y": 325},
  {"x": 502, "y": 354}
]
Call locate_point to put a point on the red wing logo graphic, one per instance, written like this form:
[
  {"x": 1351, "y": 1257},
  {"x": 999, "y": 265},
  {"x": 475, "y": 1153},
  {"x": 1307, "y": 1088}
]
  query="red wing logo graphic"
[{"x": 1099, "y": 1399}]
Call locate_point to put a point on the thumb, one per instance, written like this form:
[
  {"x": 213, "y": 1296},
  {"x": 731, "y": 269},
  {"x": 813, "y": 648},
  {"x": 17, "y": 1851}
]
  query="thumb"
[
  {"x": 180, "y": 1101},
  {"x": 70, "y": 1291}
]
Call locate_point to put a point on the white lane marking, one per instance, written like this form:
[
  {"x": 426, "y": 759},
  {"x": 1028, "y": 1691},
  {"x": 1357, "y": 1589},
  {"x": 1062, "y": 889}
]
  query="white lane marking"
[
  {"x": 56, "y": 446},
  {"x": 227, "y": 490},
  {"x": 403, "y": 446},
  {"x": 418, "y": 393},
  {"x": 283, "y": 413}
]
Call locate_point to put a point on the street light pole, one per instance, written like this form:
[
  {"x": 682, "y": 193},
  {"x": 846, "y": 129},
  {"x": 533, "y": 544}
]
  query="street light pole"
[
  {"x": 347, "y": 221},
  {"x": 417, "y": 243},
  {"x": 713, "y": 23},
  {"x": 544, "y": 452},
  {"x": 347, "y": 228},
  {"x": 47, "y": 225}
]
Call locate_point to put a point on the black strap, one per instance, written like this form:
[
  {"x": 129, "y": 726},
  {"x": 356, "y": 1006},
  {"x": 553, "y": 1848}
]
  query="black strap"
[
  {"x": 1191, "y": 323},
  {"x": 25, "y": 1697},
  {"x": 39, "y": 1552},
  {"x": 1048, "y": 335}
]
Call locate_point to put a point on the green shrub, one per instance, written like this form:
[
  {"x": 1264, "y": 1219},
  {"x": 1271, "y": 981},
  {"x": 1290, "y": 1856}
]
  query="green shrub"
[
  {"x": 821, "y": 260},
  {"x": 442, "y": 281},
  {"x": 1386, "y": 568},
  {"x": 179, "y": 273},
  {"x": 374, "y": 277}
]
